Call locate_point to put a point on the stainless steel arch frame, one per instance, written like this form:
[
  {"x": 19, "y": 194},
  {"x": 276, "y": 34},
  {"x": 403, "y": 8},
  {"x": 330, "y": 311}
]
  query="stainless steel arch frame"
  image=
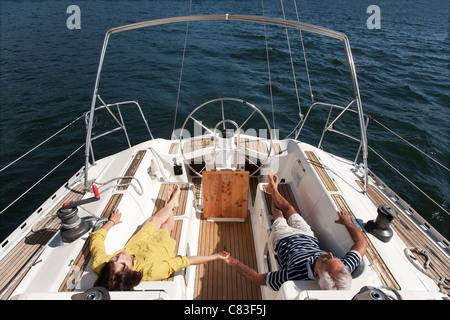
[{"x": 243, "y": 18}]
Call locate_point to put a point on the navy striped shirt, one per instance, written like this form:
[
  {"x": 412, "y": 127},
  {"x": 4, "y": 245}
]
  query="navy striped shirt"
[{"x": 296, "y": 254}]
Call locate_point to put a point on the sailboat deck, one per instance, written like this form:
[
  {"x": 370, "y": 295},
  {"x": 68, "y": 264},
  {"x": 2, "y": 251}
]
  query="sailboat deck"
[
  {"x": 439, "y": 263},
  {"x": 16, "y": 264},
  {"x": 216, "y": 280}
]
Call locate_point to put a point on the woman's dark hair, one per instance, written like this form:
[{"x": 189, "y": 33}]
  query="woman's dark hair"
[{"x": 122, "y": 281}]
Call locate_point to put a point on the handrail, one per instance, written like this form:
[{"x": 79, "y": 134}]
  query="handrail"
[
  {"x": 243, "y": 18},
  {"x": 329, "y": 124},
  {"x": 120, "y": 122}
]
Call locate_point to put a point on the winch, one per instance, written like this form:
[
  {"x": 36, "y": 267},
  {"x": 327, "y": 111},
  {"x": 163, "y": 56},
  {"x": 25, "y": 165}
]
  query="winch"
[
  {"x": 380, "y": 228},
  {"x": 73, "y": 226}
]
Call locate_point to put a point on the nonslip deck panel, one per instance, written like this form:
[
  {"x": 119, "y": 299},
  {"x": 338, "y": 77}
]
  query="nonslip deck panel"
[
  {"x": 15, "y": 265},
  {"x": 216, "y": 280},
  {"x": 173, "y": 148},
  {"x": 195, "y": 145},
  {"x": 255, "y": 145},
  {"x": 320, "y": 169},
  {"x": 197, "y": 189},
  {"x": 412, "y": 236},
  {"x": 132, "y": 168}
]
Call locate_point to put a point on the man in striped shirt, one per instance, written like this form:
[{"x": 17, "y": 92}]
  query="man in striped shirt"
[{"x": 299, "y": 253}]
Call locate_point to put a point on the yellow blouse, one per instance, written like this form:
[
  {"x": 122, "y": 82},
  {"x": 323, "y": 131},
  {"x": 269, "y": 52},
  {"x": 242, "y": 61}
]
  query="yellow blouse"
[{"x": 153, "y": 253}]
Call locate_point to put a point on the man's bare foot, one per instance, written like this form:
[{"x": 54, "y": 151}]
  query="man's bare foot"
[
  {"x": 273, "y": 183},
  {"x": 277, "y": 199},
  {"x": 276, "y": 213}
]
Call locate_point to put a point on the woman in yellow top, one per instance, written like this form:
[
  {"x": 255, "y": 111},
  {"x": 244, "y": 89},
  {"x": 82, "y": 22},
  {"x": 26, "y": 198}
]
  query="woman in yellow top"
[{"x": 147, "y": 256}]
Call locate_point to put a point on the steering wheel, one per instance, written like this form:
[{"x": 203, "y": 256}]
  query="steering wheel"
[{"x": 226, "y": 138}]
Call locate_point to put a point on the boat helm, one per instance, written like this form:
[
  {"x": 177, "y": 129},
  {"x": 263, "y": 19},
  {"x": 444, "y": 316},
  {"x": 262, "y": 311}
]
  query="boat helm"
[{"x": 380, "y": 228}]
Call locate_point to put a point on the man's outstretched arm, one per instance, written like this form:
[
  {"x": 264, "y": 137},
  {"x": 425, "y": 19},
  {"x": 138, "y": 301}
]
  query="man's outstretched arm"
[
  {"x": 255, "y": 277},
  {"x": 360, "y": 242}
]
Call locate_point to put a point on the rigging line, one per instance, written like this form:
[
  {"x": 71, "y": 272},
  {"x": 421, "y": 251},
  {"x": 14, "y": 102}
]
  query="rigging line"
[
  {"x": 412, "y": 183},
  {"x": 110, "y": 112},
  {"x": 268, "y": 68},
  {"x": 294, "y": 129},
  {"x": 304, "y": 54},
  {"x": 409, "y": 143},
  {"x": 181, "y": 70},
  {"x": 39, "y": 181},
  {"x": 292, "y": 61},
  {"x": 46, "y": 140}
]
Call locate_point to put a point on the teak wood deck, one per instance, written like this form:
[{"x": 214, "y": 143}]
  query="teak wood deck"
[
  {"x": 216, "y": 280},
  {"x": 256, "y": 145}
]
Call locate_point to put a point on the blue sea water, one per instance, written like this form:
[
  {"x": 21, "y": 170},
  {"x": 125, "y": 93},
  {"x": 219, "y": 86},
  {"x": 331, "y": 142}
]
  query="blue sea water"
[{"x": 47, "y": 75}]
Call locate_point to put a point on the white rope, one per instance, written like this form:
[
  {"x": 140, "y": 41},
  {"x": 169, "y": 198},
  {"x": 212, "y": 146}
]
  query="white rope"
[{"x": 408, "y": 253}]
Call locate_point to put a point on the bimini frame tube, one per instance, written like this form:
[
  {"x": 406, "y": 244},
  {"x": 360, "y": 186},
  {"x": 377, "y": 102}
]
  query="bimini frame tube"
[
  {"x": 91, "y": 114},
  {"x": 245, "y": 18},
  {"x": 351, "y": 63}
]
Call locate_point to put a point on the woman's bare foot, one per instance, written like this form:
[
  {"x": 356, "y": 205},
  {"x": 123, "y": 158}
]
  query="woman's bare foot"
[
  {"x": 169, "y": 191},
  {"x": 172, "y": 196}
]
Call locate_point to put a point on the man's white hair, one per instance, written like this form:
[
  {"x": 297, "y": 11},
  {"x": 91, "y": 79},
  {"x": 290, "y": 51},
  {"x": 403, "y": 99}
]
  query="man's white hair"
[{"x": 342, "y": 280}]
